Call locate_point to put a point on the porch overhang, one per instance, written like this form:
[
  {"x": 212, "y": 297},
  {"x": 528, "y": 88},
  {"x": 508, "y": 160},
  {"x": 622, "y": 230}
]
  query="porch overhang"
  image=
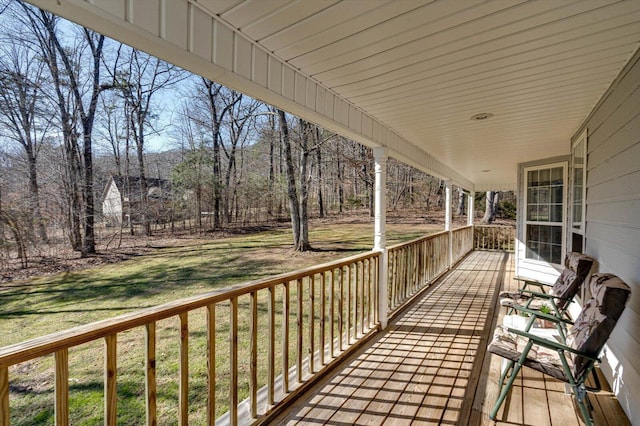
[{"x": 406, "y": 76}]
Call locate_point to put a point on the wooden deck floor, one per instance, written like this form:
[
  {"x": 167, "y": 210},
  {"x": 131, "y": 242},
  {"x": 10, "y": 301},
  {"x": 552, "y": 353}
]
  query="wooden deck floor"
[{"x": 431, "y": 367}]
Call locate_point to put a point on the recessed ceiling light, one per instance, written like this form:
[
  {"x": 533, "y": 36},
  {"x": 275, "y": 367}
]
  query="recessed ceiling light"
[{"x": 481, "y": 116}]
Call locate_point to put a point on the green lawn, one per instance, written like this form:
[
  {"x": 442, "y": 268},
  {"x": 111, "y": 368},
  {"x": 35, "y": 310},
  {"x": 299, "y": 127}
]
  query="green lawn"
[{"x": 48, "y": 304}]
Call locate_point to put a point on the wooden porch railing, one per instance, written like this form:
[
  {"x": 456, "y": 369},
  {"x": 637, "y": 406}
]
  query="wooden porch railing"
[
  {"x": 494, "y": 237},
  {"x": 323, "y": 311},
  {"x": 462, "y": 243},
  {"x": 418, "y": 263},
  {"x": 260, "y": 343}
]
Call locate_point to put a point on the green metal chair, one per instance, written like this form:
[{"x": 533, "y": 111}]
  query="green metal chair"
[
  {"x": 561, "y": 293},
  {"x": 571, "y": 362}
]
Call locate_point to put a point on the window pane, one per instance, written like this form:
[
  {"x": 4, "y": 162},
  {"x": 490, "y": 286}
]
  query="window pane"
[
  {"x": 545, "y": 252},
  {"x": 556, "y": 254},
  {"x": 577, "y": 175},
  {"x": 533, "y": 250},
  {"x": 556, "y": 213},
  {"x": 577, "y": 217},
  {"x": 545, "y": 177},
  {"x": 578, "y": 185},
  {"x": 543, "y": 213},
  {"x": 532, "y": 178},
  {"x": 556, "y": 234},
  {"x": 556, "y": 194},
  {"x": 544, "y": 197},
  {"x": 545, "y": 234},
  {"x": 556, "y": 176}
]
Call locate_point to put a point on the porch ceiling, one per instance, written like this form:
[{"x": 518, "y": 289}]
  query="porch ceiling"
[{"x": 424, "y": 68}]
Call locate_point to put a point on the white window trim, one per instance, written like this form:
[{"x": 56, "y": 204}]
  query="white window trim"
[
  {"x": 563, "y": 223},
  {"x": 583, "y": 137}
]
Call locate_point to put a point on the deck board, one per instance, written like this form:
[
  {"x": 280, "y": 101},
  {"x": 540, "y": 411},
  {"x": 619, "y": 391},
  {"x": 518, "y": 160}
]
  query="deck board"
[{"x": 431, "y": 366}]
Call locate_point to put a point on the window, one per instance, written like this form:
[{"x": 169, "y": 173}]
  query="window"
[
  {"x": 545, "y": 212},
  {"x": 578, "y": 175}
]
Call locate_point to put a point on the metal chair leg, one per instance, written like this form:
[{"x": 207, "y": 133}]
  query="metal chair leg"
[
  {"x": 505, "y": 372},
  {"x": 514, "y": 373},
  {"x": 505, "y": 390}
]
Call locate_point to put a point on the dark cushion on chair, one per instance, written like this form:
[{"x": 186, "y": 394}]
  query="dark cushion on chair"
[
  {"x": 577, "y": 266},
  {"x": 599, "y": 315}
]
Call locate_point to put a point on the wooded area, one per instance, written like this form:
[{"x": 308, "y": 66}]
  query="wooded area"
[{"x": 78, "y": 113}]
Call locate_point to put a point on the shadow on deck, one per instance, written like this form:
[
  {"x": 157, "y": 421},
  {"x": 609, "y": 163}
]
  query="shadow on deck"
[{"x": 431, "y": 367}]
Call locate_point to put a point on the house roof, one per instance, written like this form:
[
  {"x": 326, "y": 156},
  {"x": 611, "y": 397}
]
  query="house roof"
[
  {"x": 132, "y": 185},
  {"x": 416, "y": 77}
]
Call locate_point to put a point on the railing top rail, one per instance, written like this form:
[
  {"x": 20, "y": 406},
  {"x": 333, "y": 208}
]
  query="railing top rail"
[
  {"x": 427, "y": 237},
  {"x": 45, "y": 345}
]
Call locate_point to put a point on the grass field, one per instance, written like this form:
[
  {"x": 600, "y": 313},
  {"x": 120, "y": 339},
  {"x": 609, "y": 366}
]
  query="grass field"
[{"x": 44, "y": 305}]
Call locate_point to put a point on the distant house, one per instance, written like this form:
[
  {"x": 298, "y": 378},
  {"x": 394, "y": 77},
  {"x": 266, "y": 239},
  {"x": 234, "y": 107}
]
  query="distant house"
[{"x": 122, "y": 196}]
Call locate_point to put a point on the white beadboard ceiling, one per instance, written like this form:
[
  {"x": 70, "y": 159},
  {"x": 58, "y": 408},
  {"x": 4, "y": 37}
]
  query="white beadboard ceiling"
[{"x": 424, "y": 68}]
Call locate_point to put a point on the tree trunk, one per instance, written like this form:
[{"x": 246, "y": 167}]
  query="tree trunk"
[
  {"x": 490, "y": 210},
  {"x": 72, "y": 196},
  {"x": 89, "y": 243},
  {"x": 461, "y": 203},
  {"x": 303, "y": 244},
  {"x": 144, "y": 187},
  {"x": 319, "y": 161},
  {"x": 292, "y": 191},
  {"x": 35, "y": 197},
  {"x": 272, "y": 165},
  {"x": 15, "y": 228}
]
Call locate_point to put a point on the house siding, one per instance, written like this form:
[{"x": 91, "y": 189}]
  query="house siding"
[
  {"x": 112, "y": 204},
  {"x": 612, "y": 231}
]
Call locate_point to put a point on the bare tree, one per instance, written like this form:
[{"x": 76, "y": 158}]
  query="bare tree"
[
  {"x": 139, "y": 77},
  {"x": 113, "y": 129},
  {"x": 192, "y": 173},
  {"x": 76, "y": 78},
  {"x": 22, "y": 115},
  {"x": 218, "y": 103},
  {"x": 241, "y": 112}
]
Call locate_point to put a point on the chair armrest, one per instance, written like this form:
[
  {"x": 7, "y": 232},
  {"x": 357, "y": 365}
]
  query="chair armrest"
[
  {"x": 542, "y": 315},
  {"x": 532, "y": 281},
  {"x": 528, "y": 281},
  {"x": 539, "y": 295},
  {"x": 551, "y": 344}
]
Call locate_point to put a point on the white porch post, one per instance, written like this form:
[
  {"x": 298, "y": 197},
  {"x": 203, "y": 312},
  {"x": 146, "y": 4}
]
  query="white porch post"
[
  {"x": 471, "y": 207},
  {"x": 447, "y": 220},
  {"x": 380, "y": 235},
  {"x": 447, "y": 205}
]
